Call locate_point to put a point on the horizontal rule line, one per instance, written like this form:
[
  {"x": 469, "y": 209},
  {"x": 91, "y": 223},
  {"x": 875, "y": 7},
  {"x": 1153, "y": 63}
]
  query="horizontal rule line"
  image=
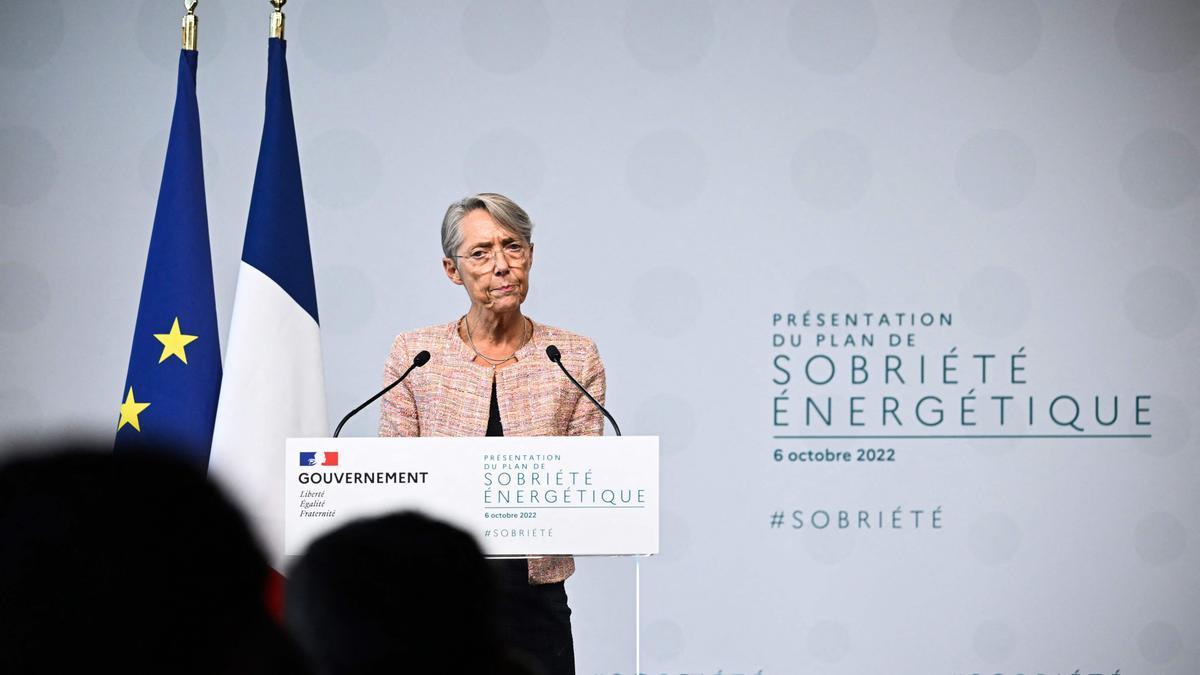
[
  {"x": 969, "y": 436},
  {"x": 526, "y": 508}
]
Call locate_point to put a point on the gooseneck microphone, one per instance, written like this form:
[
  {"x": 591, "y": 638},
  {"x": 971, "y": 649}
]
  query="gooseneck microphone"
[
  {"x": 419, "y": 360},
  {"x": 556, "y": 357}
]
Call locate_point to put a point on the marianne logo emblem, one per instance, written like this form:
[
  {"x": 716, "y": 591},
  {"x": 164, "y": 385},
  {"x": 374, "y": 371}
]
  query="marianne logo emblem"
[{"x": 318, "y": 459}]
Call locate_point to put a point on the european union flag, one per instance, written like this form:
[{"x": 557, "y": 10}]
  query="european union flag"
[{"x": 174, "y": 378}]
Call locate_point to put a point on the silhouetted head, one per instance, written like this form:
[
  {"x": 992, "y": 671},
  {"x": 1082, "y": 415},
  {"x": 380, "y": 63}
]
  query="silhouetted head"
[
  {"x": 399, "y": 592},
  {"x": 134, "y": 561}
]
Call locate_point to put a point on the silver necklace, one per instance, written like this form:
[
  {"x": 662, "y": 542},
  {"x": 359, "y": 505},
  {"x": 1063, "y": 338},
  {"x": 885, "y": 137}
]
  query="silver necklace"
[{"x": 495, "y": 362}]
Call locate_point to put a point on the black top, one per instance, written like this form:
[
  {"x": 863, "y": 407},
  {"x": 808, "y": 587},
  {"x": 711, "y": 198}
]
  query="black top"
[{"x": 495, "y": 428}]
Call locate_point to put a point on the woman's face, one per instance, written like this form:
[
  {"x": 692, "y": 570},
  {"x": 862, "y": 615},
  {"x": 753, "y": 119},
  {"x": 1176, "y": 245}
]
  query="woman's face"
[{"x": 500, "y": 281}]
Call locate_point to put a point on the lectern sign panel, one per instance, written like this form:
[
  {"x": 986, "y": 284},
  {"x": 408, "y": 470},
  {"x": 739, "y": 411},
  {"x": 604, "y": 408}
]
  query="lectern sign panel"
[{"x": 543, "y": 495}]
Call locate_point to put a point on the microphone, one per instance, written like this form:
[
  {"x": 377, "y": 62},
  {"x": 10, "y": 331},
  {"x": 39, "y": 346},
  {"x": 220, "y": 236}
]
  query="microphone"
[
  {"x": 556, "y": 356},
  {"x": 419, "y": 360}
]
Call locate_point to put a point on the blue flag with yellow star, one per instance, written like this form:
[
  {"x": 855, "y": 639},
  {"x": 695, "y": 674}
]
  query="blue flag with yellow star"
[{"x": 170, "y": 397}]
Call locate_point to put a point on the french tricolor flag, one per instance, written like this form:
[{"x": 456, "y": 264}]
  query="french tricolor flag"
[
  {"x": 318, "y": 459},
  {"x": 274, "y": 385}
]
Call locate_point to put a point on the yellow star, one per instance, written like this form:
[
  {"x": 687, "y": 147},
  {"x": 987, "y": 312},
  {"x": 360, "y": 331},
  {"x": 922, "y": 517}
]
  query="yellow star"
[
  {"x": 174, "y": 342},
  {"x": 129, "y": 411}
]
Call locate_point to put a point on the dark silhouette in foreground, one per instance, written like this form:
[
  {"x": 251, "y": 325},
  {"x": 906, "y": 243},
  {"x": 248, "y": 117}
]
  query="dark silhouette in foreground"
[
  {"x": 128, "y": 563},
  {"x": 401, "y": 593}
]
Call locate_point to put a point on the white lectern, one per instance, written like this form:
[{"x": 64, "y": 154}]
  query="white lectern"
[{"x": 519, "y": 496}]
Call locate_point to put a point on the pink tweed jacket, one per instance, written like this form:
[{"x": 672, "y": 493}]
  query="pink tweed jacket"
[{"x": 450, "y": 396}]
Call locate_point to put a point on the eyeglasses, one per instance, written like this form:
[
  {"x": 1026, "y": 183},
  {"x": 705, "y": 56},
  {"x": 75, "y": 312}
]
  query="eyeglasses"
[{"x": 515, "y": 253}]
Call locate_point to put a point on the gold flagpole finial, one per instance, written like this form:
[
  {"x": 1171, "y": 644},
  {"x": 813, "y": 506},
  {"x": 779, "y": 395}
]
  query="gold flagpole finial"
[
  {"x": 277, "y": 18},
  {"x": 187, "y": 31}
]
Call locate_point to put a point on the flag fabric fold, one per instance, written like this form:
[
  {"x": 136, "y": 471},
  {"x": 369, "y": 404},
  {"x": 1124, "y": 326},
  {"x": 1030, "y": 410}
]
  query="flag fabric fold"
[
  {"x": 169, "y": 401},
  {"x": 274, "y": 385}
]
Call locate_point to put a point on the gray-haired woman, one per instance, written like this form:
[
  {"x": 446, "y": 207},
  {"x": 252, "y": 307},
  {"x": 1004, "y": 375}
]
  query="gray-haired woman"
[{"x": 488, "y": 375}]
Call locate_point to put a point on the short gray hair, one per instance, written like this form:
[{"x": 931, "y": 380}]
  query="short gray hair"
[{"x": 503, "y": 210}]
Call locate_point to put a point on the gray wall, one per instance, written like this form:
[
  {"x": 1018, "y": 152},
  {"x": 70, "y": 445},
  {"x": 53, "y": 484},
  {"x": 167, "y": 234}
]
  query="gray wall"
[{"x": 694, "y": 167}]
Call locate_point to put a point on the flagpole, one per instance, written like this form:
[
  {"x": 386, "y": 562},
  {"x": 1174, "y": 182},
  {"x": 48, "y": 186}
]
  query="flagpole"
[
  {"x": 187, "y": 31},
  {"x": 277, "y": 18}
]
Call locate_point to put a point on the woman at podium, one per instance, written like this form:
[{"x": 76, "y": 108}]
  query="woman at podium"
[{"x": 489, "y": 375}]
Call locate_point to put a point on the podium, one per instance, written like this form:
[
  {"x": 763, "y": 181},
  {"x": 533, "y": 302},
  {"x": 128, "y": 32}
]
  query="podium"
[{"x": 518, "y": 496}]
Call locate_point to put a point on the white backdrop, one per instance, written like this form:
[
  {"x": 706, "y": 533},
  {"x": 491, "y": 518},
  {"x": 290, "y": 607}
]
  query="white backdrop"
[{"x": 694, "y": 168}]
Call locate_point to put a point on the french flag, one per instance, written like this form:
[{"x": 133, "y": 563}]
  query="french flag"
[
  {"x": 274, "y": 385},
  {"x": 318, "y": 459}
]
